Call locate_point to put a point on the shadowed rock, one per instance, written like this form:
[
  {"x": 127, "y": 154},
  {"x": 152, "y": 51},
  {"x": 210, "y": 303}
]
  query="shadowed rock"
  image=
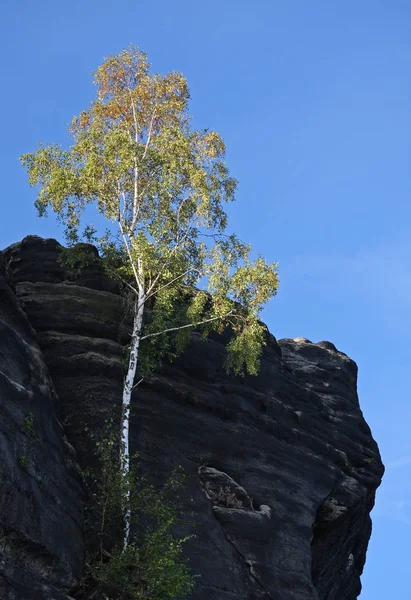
[
  {"x": 41, "y": 544},
  {"x": 282, "y": 467}
]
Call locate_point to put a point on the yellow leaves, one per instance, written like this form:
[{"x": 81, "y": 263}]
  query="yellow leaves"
[
  {"x": 84, "y": 119},
  {"x": 208, "y": 144},
  {"x": 214, "y": 146},
  {"x": 121, "y": 72},
  {"x": 136, "y": 158},
  {"x": 125, "y": 83},
  {"x": 79, "y": 122}
]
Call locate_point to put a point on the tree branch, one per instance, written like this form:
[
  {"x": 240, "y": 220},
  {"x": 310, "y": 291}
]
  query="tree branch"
[
  {"x": 169, "y": 283},
  {"x": 166, "y": 263},
  {"x": 150, "y": 335},
  {"x": 127, "y": 283},
  {"x": 129, "y": 255},
  {"x": 135, "y": 199},
  {"x": 138, "y": 383},
  {"x": 123, "y": 195},
  {"x": 150, "y": 131},
  {"x": 134, "y": 117},
  {"x": 183, "y": 201},
  {"x": 136, "y": 204}
]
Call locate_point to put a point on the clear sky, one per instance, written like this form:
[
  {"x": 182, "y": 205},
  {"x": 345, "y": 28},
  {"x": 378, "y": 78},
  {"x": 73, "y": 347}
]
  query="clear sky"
[{"x": 313, "y": 101}]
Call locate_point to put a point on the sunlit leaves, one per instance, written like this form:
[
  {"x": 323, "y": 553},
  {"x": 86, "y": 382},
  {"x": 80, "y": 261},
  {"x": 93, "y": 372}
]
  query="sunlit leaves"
[
  {"x": 245, "y": 348},
  {"x": 164, "y": 186}
]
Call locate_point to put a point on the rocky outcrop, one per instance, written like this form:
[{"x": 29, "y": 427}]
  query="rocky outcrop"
[
  {"x": 41, "y": 544},
  {"x": 282, "y": 467}
]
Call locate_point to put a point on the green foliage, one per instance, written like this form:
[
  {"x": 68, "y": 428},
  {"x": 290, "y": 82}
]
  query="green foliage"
[
  {"x": 162, "y": 186},
  {"x": 23, "y": 461},
  {"x": 77, "y": 258},
  {"x": 244, "y": 349},
  {"x": 154, "y": 571},
  {"x": 28, "y": 429},
  {"x": 153, "y": 566},
  {"x": 28, "y": 425},
  {"x": 169, "y": 309}
]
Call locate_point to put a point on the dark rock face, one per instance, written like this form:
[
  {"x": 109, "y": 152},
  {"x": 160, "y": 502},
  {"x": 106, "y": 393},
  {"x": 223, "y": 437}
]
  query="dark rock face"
[
  {"x": 41, "y": 544},
  {"x": 282, "y": 467}
]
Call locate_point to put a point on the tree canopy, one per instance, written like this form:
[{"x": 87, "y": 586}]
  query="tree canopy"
[{"x": 163, "y": 185}]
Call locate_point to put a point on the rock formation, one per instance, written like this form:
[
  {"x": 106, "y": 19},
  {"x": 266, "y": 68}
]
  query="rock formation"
[
  {"x": 282, "y": 466},
  {"x": 41, "y": 544}
]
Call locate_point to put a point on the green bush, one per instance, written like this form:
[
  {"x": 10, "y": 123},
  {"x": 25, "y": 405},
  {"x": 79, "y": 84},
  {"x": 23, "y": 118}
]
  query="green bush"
[{"x": 152, "y": 565}]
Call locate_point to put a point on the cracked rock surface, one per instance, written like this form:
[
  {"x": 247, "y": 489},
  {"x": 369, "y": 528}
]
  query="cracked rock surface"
[
  {"x": 282, "y": 467},
  {"x": 41, "y": 543}
]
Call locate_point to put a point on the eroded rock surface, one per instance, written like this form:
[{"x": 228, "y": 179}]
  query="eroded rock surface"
[
  {"x": 282, "y": 467},
  {"x": 41, "y": 544}
]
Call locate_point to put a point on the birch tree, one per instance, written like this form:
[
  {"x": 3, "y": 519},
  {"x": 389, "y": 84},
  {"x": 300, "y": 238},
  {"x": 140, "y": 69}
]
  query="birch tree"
[{"x": 161, "y": 187}]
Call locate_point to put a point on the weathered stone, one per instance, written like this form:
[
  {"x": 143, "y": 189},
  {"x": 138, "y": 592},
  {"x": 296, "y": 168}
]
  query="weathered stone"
[
  {"x": 282, "y": 467},
  {"x": 41, "y": 544}
]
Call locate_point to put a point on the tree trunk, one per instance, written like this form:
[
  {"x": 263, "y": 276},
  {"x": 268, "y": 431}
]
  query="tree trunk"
[{"x": 125, "y": 421}]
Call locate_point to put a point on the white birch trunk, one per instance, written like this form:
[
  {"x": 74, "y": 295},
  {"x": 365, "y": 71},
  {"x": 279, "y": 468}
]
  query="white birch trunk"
[{"x": 127, "y": 392}]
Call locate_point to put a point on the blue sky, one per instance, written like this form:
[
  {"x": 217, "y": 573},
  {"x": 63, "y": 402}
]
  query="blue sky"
[{"x": 313, "y": 101}]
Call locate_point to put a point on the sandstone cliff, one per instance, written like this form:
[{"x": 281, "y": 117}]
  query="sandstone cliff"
[{"x": 282, "y": 467}]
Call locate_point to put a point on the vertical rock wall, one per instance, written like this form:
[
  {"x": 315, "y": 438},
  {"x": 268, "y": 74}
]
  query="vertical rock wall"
[
  {"x": 41, "y": 544},
  {"x": 282, "y": 467}
]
